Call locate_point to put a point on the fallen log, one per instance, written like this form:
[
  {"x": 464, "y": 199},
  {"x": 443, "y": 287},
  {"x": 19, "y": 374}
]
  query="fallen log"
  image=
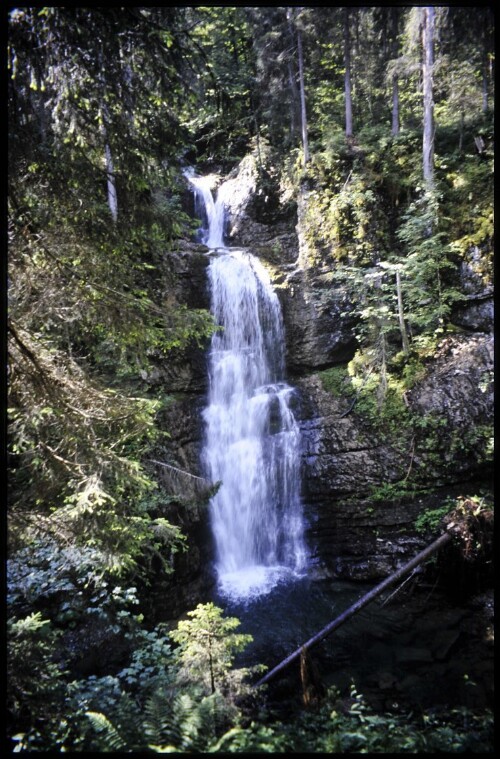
[{"x": 361, "y": 602}]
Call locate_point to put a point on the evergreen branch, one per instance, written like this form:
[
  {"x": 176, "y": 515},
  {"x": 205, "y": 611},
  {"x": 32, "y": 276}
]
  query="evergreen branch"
[{"x": 86, "y": 281}]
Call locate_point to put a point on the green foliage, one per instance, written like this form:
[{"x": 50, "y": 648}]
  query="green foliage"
[
  {"x": 147, "y": 704},
  {"x": 347, "y": 726},
  {"x": 87, "y": 315},
  {"x": 426, "y": 265},
  {"x": 76, "y": 444},
  {"x": 431, "y": 520},
  {"x": 208, "y": 647},
  {"x": 35, "y": 680},
  {"x": 73, "y": 584},
  {"x": 477, "y": 442},
  {"x": 109, "y": 739},
  {"x": 378, "y": 398},
  {"x": 170, "y": 723},
  {"x": 441, "y": 447},
  {"x": 388, "y": 410},
  {"x": 411, "y": 368},
  {"x": 343, "y": 218},
  {"x": 337, "y": 381},
  {"x": 145, "y": 707},
  {"x": 223, "y": 114},
  {"x": 393, "y": 491}
]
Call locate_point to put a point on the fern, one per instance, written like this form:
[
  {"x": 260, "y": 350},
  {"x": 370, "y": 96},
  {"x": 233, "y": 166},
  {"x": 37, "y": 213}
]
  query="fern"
[
  {"x": 173, "y": 723},
  {"x": 183, "y": 723},
  {"x": 108, "y": 734},
  {"x": 188, "y": 721},
  {"x": 158, "y": 725}
]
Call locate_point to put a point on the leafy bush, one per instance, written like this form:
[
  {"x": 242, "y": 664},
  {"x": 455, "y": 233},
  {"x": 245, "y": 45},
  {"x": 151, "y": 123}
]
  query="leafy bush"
[{"x": 431, "y": 520}]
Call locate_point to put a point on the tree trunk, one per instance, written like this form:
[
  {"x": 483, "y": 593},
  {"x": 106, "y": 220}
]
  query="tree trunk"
[
  {"x": 485, "y": 88},
  {"x": 487, "y": 67},
  {"x": 347, "y": 61},
  {"x": 292, "y": 81},
  {"x": 382, "y": 387},
  {"x": 395, "y": 106},
  {"x": 211, "y": 664},
  {"x": 293, "y": 103},
  {"x": 305, "y": 142},
  {"x": 396, "y": 124},
  {"x": 110, "y": 174},
  {"x": 108, "y": 156},
  {"x": 427, "y": 75},
  {"x": 402, "y": 327},
  {"x": 362, "y": 602}
]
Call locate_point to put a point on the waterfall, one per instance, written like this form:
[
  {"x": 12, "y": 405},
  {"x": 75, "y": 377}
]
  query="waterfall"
[
  {"x": 252, "y": 440},
  {"x": 210, "y": 212}
]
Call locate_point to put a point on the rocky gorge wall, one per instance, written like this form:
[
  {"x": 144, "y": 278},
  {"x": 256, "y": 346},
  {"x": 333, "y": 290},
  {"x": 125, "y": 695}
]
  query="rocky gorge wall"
[{"x": 347, "y": 457}]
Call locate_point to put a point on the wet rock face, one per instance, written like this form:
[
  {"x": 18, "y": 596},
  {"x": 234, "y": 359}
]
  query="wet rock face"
[
  {"x": 459, "y": 385},
  {"x": 353, "y": 536},
  {"x": 419, "y": 651},
  {"x": 319, "y": 330},
  {"x": 477, "y": 314},
  {"x": 350, "y": 536},
  {"x": 340, "y": 458}
]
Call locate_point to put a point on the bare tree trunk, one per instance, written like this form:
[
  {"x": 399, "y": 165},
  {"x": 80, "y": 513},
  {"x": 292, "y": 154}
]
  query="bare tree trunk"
[
  {"x": 485, "y": 88},
  {"x": 347, "y": 61},
  {"x": 292, "y": 83},
  {"x": 396, "y": 124},
  {"x": 402, "y": 327},
  {"x": 382, "y": 387},
  {"x": 211, "y": 664},
  {"x": 305, "y": 141},
  {"x": 427, "y": 75},
  {"x": 395, "y": 106},
  {"x": 487, "y": 70},
  {"x": 292, "y": 80},
  {"x": 110, "y": 174},
  {"x": 110, "y": 169}
]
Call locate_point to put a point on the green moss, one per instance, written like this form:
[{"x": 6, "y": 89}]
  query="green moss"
[
  {"x": 379, "y": 401},
  {"x": 337, "y": 381}
]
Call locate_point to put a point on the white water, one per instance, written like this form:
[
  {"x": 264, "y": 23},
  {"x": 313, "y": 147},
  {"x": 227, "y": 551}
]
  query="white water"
[
  {"x": 210, "y": 212},
  {"x": 252, "y": 442}
]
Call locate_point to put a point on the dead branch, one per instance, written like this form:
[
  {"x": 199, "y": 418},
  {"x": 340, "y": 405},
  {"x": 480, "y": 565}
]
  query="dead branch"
[{"x": 363, "y": 601}]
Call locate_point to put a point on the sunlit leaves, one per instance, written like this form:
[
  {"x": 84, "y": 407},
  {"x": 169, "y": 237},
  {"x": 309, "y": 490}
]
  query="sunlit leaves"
[{"x": 208, "y": 645}]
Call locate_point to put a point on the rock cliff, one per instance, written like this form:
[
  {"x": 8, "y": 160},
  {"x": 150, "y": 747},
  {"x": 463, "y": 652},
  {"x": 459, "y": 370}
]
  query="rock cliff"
[{"x": 349, "y": 461}]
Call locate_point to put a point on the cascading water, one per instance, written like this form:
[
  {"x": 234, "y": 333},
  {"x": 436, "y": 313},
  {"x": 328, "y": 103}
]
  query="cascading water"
[
  {"x": 210, "y": 212},
  {"x": 252, "y": 441}
]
